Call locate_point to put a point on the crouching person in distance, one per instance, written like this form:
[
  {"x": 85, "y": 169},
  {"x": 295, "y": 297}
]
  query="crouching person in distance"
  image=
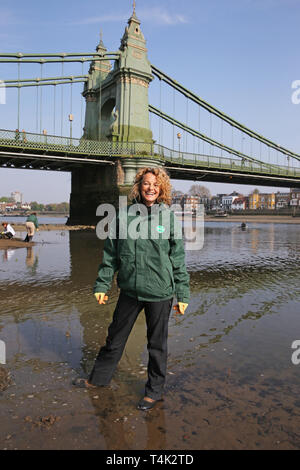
[{"x": 8, "y": 231}]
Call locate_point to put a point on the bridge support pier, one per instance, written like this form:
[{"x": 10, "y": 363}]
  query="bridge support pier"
[{"x": 96, "y": 185}]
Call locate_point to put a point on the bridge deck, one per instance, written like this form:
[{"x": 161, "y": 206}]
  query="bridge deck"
[{"x": 36, "y": 151}]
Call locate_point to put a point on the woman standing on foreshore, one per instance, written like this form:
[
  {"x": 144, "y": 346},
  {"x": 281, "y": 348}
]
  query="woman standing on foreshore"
[
  {"x": 31, "y": 225},
  {"x": 151, "y": 270}
]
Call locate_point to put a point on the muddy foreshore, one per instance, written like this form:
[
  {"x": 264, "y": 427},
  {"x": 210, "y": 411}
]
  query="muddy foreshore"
[
  {"x": 22, "y": 228},
  {"x": 262, "y": 219},
  {"x": 231, "y": 383},
  {"x": 5, "y": 379},
  {"x": 17, "y": 242}
]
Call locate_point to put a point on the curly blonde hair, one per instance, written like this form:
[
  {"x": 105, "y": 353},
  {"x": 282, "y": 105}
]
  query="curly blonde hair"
[{"x": 163, "y": 180}]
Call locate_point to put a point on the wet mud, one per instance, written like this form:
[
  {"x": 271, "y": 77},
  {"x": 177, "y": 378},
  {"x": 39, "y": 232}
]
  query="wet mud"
[
  {"x": 14, "y": 243},
  {"x": 5, "y": 379},
  {"x": 201, "y": 410}
]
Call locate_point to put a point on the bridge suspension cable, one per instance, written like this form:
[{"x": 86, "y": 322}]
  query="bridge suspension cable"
[
  {"x": 54, "y": 108},
  {"x": 198, "y": 134},
  {"x": 62, "y": 100},
  {"x": 235, "y": 124},
  {"x": 57, "y": 58},
  {"x": 41, "y": 101},
  {"x": 19, "y": 91},
  {"x": 53, "y": 80},
  {"x": 17, "y": 83}
]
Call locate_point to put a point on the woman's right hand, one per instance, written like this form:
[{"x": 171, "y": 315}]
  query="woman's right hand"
[
  {"x": 180, "y": 308},
  {"x": 101, "y": 297}
]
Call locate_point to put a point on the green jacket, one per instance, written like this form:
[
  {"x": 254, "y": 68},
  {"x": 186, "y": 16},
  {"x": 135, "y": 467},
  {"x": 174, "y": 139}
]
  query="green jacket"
[
  {"x": 150, "y": 268},
  {"x": 33, "y": 218}
]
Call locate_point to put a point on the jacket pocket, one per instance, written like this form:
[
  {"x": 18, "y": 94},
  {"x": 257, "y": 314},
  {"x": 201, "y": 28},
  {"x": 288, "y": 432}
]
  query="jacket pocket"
[
  {"x": 160, "y": 277},
  {"x": 126, "y": 273}
]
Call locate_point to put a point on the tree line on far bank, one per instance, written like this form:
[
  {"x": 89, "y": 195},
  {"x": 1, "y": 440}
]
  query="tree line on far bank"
[
  {"x": 202, "y": 191},
  {"x": 36, "y": 206},
  {"x": 59, "y": 207}
]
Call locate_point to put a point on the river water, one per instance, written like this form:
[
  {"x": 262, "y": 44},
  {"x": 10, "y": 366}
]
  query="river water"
[
  {"x": 231, "y": 383},
  {"x": 11, "y": 219}
]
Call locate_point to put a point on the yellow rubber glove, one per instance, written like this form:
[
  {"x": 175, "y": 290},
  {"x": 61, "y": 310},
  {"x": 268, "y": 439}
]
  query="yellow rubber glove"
[
  {"x": 180, "y": 308},
  {"x": 101, "y": 297}
]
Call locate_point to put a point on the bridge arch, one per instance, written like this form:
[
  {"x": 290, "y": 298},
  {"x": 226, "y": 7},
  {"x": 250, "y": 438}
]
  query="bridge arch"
[{"x": 109, "y": 118}]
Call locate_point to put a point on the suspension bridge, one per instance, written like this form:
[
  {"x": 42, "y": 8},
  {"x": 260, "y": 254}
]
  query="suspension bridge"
[{"x": 122, "y": 132}]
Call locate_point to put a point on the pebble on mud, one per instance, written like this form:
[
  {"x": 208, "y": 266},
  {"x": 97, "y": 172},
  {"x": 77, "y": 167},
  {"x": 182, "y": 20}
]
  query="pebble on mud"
[
  {"x": 5, "y": 379},
  {"x": 45, "y": 421}
]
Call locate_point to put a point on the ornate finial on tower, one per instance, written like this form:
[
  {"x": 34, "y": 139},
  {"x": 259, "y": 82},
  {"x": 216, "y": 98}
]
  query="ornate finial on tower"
[
  {"x": 101, "y": 45},
  {"x": 133, "y": 16}
]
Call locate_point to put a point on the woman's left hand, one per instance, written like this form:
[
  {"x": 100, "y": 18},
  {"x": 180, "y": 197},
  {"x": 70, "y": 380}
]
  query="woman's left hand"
[{"x": 180, "y": 308}]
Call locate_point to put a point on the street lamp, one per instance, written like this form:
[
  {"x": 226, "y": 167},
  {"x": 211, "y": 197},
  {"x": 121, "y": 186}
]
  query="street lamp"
[
  {"x": 179, "y": 137},
  {"x": 45, "y": 134},
  {"x": 71, "y": 118}
]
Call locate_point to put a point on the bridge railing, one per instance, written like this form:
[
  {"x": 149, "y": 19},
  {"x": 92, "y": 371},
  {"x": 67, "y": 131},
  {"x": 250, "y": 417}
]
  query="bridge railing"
[
  {"x": 47, "y": 143},
  {"x": 232, "y": 164},
  {"x": 69, "y": 146}
]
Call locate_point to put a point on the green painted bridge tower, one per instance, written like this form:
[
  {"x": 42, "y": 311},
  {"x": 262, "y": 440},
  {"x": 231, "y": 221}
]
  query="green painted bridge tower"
[
  {"x": 117, "y": 110},
  {"x": 117, "y": 99}
]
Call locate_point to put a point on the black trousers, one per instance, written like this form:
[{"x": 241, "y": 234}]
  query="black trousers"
[
  {"x": 124, "y": 317},
  {"x": 7, "y": 235}
]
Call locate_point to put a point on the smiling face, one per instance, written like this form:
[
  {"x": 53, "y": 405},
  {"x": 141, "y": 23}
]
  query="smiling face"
[{"x": 150, "y": 189}]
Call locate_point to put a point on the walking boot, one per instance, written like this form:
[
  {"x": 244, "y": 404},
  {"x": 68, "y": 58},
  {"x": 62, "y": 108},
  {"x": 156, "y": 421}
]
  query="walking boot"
[{"x": 26, "y": 239}]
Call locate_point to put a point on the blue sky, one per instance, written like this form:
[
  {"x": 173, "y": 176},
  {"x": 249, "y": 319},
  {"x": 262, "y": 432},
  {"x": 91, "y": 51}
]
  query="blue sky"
[{"x": 239, "y": 55}]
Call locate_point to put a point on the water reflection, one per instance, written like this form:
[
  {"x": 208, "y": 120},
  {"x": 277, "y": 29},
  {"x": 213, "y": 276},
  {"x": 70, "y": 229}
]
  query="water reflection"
[
  {"x": 31, "y": 259},
  {"x": 7, "y": 255}
]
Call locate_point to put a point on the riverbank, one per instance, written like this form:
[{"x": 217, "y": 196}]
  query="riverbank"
[
  {"x": 39, "y": 214},
  {"x": 19, "y": 243},
  {"x": 5, "y": 244},
  {"x": 263, "y": 219},
  {"x": 42, "y": 227}
]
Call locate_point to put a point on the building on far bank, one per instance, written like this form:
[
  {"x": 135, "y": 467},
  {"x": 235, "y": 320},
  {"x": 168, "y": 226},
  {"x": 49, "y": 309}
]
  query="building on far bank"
[
  {"x": 215, "y": 203},
  {"x": 17, "y": 197},
  {"x": 190, "y": 203},
  {"x": 267, "y": 201},
  {"x": 8, "y": 206},
  {"x": 227, "y": 200},
  {"x": 239, "y": 204},
  {"x": 13, "y": 206},
  {"x": 176, "y": 199},
  {"x": 26, "y": 206},
  {"x": 262, "y": 201},
  {"x": 295, "y": 197},
  {"x": 253, "y": 201},
  {"x": 282, "y": 200}
]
